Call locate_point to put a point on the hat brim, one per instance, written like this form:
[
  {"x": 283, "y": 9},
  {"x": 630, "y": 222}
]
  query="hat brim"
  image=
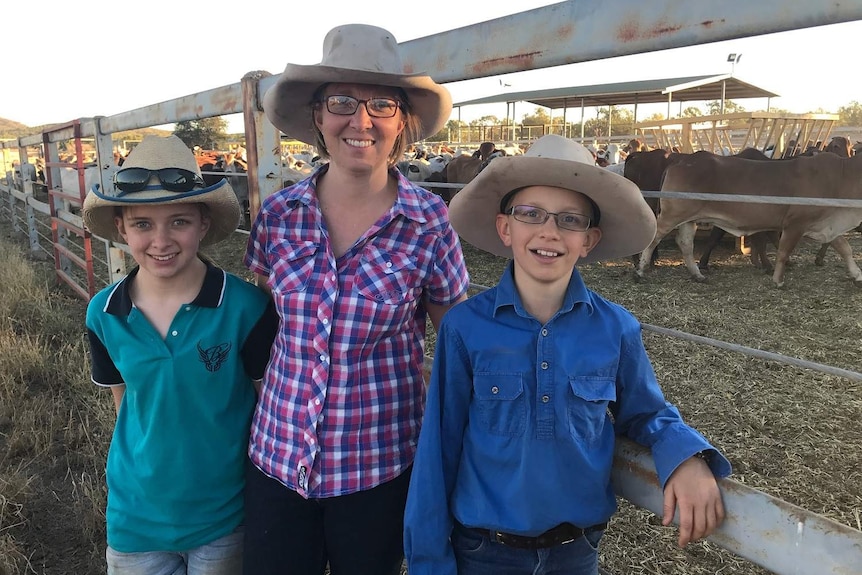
[
  {"x": 288, "y": 102},
  {"x": 224, "y": 211},
  {"x": 628, "y": 224}
]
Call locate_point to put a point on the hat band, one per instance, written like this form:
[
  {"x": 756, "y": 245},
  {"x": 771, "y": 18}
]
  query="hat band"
[{"x": 161, "y": 199}]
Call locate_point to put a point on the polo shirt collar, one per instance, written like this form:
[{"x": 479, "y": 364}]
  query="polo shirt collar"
[
  {"x": 211, "y": 294},
  {"x": 507, "y": 295}
]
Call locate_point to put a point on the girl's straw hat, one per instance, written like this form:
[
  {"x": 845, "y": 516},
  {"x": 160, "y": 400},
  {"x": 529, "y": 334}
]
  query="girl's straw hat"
[{"x": 155, "y": 153}]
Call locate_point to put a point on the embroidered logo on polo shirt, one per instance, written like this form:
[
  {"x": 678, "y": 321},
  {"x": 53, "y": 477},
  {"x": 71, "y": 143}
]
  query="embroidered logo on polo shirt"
[{"x": 215, "y": 356}]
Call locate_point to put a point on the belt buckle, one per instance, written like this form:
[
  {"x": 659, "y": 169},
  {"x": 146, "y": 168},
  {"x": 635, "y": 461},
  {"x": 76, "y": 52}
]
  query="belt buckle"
[
  {"x": 567, "y": 541},
  {"x": 497, "y": 537}
]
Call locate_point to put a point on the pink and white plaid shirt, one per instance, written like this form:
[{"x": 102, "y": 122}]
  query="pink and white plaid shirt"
[{"x": 343, "y": 396}]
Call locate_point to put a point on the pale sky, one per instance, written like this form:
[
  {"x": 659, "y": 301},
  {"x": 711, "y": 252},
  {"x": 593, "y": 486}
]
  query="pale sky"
[{"x": 112, "y": 58}]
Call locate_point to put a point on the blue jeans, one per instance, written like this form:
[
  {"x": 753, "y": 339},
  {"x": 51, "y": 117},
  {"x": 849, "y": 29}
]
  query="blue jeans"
[
  {"x": 220, "y": 557},
  {"x": 476, "y": 554}
]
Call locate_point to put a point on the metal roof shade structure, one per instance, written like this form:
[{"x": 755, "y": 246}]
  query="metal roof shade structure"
[{"x": 690, "y": 88}]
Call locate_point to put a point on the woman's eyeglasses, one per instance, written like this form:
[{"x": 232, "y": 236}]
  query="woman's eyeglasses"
[
  {"x": 347, "y": 106},
  {"x": 129, "y": 180},
  {"x": 565, "y": 220}
]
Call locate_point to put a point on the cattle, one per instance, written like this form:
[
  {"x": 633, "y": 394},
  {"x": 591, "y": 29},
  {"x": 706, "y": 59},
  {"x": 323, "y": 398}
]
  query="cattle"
[
  {"x": 646, "y": 169},
  {"x": 840, "y": 146},
  {"x": 462, "y": 169},
  {"x": 820, "y": 176},
  {"x": 237, "y": 174}
]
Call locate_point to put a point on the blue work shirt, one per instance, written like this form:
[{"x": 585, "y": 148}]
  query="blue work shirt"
[{"x": 521, "y": 420}]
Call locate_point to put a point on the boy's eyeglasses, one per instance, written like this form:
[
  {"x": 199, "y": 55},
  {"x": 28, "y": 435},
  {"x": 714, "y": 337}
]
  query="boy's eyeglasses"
[
  {"x": 376, "y": 107},
  {"x": 565, "y": 220},
  {"x": 129, "y": 180}
]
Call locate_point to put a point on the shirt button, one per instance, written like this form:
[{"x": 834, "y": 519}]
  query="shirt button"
[
  {"x": 389, "y": 264},
  {"x": 188, "y": 308},
  {"x": 325, "y": 321},
  {"x": 322, "y": 357},
  {"x": 316, "y": 401},
  {"x": 495, "y": 390},
  {"x": 545, "y": 399},
  {"x": 544, "y": 332},
  {"x": 544, "y": 365},
  {"x": 174, "y": 333}
]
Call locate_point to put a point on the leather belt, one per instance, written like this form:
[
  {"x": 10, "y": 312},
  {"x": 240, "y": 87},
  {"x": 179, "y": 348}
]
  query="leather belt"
[{"x": 559, "y": 535}]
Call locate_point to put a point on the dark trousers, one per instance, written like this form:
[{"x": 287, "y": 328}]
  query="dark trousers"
[{"x": 356, "y": 534}]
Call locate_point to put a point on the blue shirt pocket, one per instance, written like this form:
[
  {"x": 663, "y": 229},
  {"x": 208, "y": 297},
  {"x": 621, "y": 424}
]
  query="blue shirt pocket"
[
  {"x": 292, "y": 266},
  {"x": 500, "y": 404},
  {"x": 386, "y": 277},
  {"x": 587, "y": 406}
]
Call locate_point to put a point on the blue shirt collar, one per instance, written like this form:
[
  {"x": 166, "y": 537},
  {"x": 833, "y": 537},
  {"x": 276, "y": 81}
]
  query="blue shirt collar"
[{"x": 507, "y": 294}]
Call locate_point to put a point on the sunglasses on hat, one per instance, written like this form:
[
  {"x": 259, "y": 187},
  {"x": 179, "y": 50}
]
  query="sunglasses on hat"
[{"x": 129, "y": 180}]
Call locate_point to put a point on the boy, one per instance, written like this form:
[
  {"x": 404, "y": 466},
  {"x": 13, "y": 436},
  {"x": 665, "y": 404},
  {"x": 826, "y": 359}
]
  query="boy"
[{"x": 533, "y": 379}]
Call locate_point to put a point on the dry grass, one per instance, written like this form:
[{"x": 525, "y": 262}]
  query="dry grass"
[
  {"x": 53, "y": 427},
  {"x": 790, "y": 432}
]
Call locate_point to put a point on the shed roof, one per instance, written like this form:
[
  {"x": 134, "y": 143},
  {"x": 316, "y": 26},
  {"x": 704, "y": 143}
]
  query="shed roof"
[{"x": 691, "y": 88}]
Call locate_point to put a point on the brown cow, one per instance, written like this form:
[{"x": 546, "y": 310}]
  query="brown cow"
[
  {"x": 646, "y": 169},
  {"x": 840, "y": 146},
  {"x": 820, "y": 176},
  {"x": 463, "y": 169}
]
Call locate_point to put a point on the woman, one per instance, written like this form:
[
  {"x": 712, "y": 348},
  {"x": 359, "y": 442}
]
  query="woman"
[{"x": 355, "y": 257}]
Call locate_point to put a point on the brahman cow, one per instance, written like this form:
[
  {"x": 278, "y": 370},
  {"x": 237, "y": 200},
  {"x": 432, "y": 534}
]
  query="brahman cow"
[
  {"x": 820, "y": 176},
  {"x": 462, "y": 169},
  {"x": 646, "y": 170},
  {"x": 840, "y": 146}
]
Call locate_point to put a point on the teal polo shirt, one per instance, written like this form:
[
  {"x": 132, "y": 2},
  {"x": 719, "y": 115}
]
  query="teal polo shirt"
[{"x": 176, "y": 462}]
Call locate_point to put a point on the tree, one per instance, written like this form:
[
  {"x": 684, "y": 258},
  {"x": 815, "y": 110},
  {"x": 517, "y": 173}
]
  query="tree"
[
  {"x": 851, "y": 114},
  {"x": 486, "y": 121},
  {"x": 206, "y": 133},
  {"x": 692, "y": 112},
  {"x": 730, "y": 107},
  {"x": 449, "y": 133},
  {"x": 539, "y": 118},
  {"x": 621, "y": 120}
]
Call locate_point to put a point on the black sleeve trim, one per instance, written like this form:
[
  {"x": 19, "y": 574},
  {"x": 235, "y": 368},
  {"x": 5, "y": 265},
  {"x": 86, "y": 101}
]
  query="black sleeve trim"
[
  {"x": 258, "y": 344},
  {"x": 103, "y": 370}
]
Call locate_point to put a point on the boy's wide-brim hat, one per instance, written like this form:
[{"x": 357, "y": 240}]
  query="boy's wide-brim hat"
[
  {"x": 155, "y": 153},
  {"x": 354, "y": 54},
  {"x": 628, "y": 224}
]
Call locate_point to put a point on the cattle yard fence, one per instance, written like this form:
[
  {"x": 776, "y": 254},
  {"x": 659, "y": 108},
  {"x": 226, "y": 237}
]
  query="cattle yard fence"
[{"x": 772, "y": 533}]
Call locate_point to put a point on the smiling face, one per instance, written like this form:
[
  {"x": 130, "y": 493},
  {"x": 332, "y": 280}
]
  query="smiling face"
[
  {"x": 358, "y": 142},
  {"x": 545, "y": 254},
  {"x": 164, "y": 239}
]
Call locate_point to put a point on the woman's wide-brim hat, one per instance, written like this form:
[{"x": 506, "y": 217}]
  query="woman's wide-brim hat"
[
  {"x": 628, "y": 224},
  {"x": 154, "y": 153},
  {"x": 354, "y": 54}
]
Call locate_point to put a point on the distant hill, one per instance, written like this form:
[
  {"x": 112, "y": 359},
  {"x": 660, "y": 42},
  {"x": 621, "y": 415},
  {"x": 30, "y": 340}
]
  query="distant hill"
[{"x": 12, "y": 129}]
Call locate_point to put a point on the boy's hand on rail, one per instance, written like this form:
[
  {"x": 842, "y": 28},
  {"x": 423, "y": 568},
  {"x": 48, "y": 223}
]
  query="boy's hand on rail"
[{"x": 693, "y": 490}]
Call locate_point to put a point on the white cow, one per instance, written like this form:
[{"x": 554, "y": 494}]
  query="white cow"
[{"x": 69, "y": 180}]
